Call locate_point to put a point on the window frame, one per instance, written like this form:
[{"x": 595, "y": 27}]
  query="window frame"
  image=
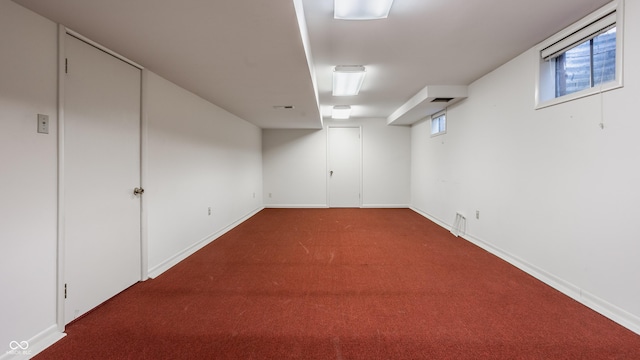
[
  {"x": 436, "y": 116},
  {"x": 545, "y": 84}
]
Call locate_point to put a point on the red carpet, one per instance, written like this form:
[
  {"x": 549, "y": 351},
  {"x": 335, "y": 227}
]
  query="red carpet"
[{"x": 343, "y": 284}]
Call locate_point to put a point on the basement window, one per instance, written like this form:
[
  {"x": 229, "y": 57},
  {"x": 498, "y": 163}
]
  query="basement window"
[
  {"x": 582, "y": 60},
  {"x": 438, "y": 124}
]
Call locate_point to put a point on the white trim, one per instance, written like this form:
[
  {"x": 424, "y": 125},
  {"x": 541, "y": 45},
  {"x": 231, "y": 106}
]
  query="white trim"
[
  {"x": 327, "y": 170},
  {"x": 432, "y": 218},
  {"x": 435, "y": 116},
  {"x": 325, "y": 206},
  {"x": 175, "y": 259},
  {"x": 361, "y": 180},
  {"x": 611, "y": 311},
  {"x": 37, "y": 343},
  {"x": 613, "y": 6},
  {"x": 102, "y": 48},
  {"x": 361, "y": 170},
  {"x": 144, "y": 131},
  {"x": 296, "y": 206},
  {"x": 616, "y": 6},
  {"x": 612, "y": 85},
  {"x": 61, "y": 191},
  {"x": 61, "y": 233},
  {"x": 586, "y": 33},
  {"x": 385, "y": 206},
  {"x": 587, "y": 299}
]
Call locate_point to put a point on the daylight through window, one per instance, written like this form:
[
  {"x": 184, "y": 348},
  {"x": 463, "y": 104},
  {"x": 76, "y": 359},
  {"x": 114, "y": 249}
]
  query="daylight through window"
[
  {"x": 587, "y": 65},
  {"x": 583, "y": 59},
  {"x": 438, "y": 124}
]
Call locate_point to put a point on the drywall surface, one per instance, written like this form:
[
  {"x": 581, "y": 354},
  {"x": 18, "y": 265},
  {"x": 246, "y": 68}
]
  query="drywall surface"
[
  {"x": 199, "y": 156},
  {"x": 295, "y": 165},
  {"x": 28, "y": 175},
  {"x": 555, "y": 192},
  {"x": 386, "y": 164},
  {"x": 294, "y": 168}
]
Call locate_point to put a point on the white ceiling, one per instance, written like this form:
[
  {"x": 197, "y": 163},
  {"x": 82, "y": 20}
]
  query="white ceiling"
[{"x": 247, "y": 56}]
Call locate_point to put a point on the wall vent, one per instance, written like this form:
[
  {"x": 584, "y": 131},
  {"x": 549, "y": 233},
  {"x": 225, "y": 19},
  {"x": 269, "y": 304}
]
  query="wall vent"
[
  {"x": 442, "y": 100},
  {"x": 459, "y": 225}
]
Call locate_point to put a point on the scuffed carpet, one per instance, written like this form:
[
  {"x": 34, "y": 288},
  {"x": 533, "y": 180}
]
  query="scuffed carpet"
[{"x": 343, "y": 284}]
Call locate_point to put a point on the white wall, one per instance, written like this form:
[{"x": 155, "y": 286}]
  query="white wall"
[
  {"x": 386, "y": 164},
  {"x": 557, "y": 194},
  {"x": 295, "y": 165},
  {"x": 199, "y": 156},
  {"x": 28, "y": 175}
]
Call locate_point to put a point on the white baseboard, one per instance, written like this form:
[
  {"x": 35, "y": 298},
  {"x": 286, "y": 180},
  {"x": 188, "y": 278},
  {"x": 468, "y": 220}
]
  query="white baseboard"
[
  {"x": 296, "y": 206},
  {"x": 172, "y": 261},
  {"x": 603, "y": 307},
  {"x": 434, "y": 219},
  {"x": 35, "y": 345},
  {"x": 385, "y": 206},
  {"x": 325, "y": 206}
]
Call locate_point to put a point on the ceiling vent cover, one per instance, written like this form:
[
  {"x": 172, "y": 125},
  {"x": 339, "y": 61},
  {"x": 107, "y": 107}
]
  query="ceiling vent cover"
[{"x": 428, "y": 101}]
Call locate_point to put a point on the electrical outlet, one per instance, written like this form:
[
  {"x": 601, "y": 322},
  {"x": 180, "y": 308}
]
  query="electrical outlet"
[
  {"x": 209, "y": 211},
  {"x": 254, "y": 195},
  {"x": 478, "y": 214},
  {"x": 43, "y": 124},
  {"x": 269, "y": 195}
]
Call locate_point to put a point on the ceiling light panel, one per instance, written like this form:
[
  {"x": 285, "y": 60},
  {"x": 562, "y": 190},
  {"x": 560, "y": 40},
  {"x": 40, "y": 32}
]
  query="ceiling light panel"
[
  {"x": 347, "y": 79},
  {"x": 361, "y": 9},
  {"x": 341, "y": 112}
]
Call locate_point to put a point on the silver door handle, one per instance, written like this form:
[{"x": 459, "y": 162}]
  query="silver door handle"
[
  {"x": 138, "y": 191},
  {"x": 331, "y": 173}
]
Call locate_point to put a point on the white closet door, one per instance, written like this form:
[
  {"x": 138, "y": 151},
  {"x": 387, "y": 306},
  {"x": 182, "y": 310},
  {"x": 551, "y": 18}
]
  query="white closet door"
[
  {"x": 344, "y": 166},
  {"x": 101, "y": 170}
]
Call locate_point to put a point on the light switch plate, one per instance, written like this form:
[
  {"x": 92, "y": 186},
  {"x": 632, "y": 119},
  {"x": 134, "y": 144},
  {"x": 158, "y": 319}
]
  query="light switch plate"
[{"x": 43, "y": 124}]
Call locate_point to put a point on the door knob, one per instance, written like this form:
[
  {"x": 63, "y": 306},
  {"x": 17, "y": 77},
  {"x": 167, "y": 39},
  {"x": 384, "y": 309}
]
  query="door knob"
[
  {"x": 138, "y": 191},
  {"x": 331, "y": 173}
]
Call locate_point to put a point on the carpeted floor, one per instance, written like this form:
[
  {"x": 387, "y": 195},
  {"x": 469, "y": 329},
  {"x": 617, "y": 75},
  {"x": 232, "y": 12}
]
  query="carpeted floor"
[{"x": 343, "y": 284}]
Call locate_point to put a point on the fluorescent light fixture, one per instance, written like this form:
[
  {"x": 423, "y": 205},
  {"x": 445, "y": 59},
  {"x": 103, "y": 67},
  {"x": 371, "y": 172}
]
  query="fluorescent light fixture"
[
  {"x": 341, "y": 112},
  {"x": 347, "y": 79},
  {"x": 361, "y": 9}
]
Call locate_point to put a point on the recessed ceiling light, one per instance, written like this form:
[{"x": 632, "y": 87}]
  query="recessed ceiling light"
[
  {"x": 341, "y": 112},
  {"x": 361, "y": 9},
  {"x": 347, "y": 79}
]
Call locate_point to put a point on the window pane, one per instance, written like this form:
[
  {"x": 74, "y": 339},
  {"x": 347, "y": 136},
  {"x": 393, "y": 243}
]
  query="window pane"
[
  {"x": 435, "y": 126},
  {"x": 573, "y": 70},
  {"x": 438, "y": 125},
  {"x": 604, "y": 57}
]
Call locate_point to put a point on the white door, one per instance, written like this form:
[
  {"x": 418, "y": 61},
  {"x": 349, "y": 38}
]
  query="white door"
[
  {"x": 101, "y": 170},
  {"x": 344, "y": 166}
]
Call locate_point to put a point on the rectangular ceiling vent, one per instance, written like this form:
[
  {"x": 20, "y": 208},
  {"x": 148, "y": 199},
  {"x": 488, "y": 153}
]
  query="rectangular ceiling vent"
[
  {"x": 428, "y": 101},
  {"x": 284, "y": 107}
]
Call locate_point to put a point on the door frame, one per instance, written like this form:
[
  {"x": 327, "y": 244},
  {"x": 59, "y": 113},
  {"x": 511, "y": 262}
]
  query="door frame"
[
  {"x": 360, "y": 180},
  {"x": 60, "y": 270}
]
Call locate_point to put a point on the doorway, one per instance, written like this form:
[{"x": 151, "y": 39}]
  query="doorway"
[
  {"x": 101, "y": 168},
  {"x": 345, "y": 166}
]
